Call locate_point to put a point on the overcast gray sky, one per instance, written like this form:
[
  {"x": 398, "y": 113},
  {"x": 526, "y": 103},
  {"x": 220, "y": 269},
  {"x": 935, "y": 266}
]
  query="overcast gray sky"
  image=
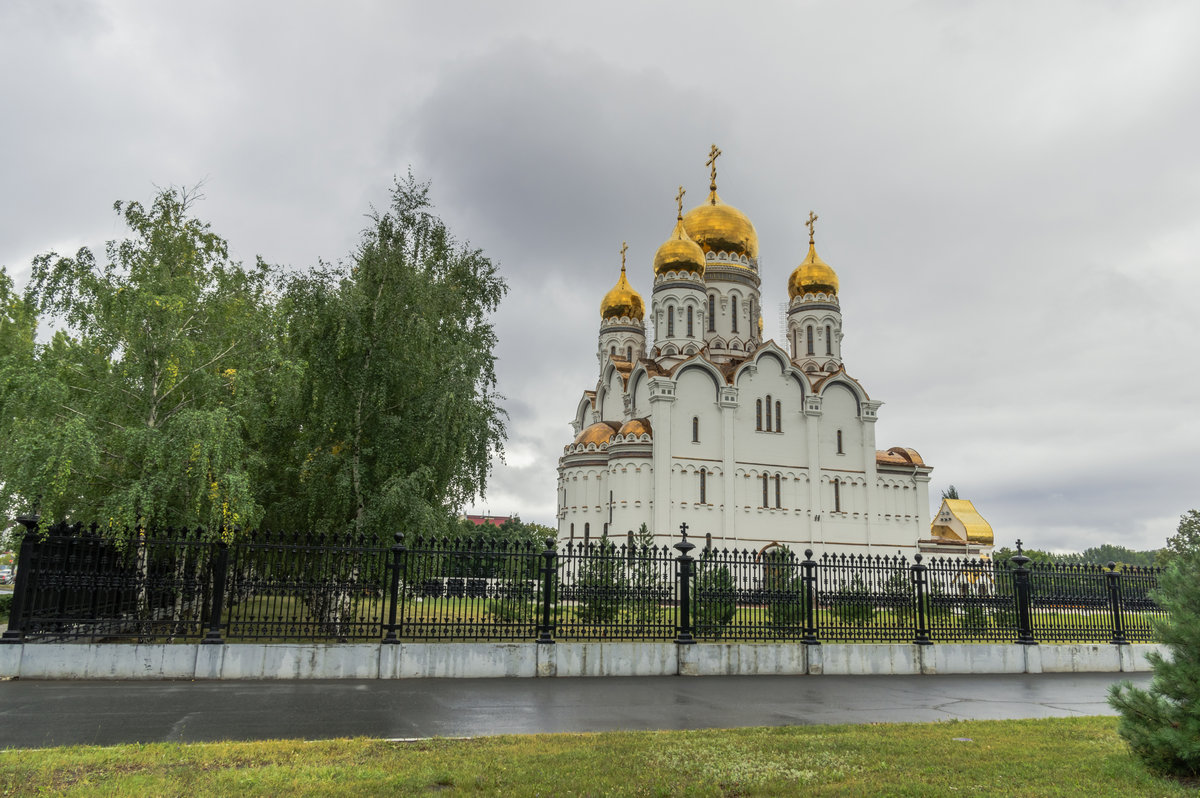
[{"x": 1009, "y": 192}]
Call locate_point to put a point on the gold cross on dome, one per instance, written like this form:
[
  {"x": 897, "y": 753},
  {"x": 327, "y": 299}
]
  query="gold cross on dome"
[
  {"x": 810, "y": 224},
  {"x": 624, "y": 249},
  {"x": 713, "y": 154},
  {"x": 679, "y": 203}
]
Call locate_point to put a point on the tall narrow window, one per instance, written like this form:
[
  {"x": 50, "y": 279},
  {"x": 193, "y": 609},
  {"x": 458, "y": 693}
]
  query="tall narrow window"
[
  {"x": 733, "y": 306},
  {"x": 712, "y": 312},
  {"x": 810, "y": 340},
  {"x": 587, "y": 534},
  {"x": 795, "y": 351},
  {"x": 764, "y": 504},
  {"x": 612, "y": 350},
  {"x": 572, "y": 533},
  {"x": 839, "y": 441},
  {"x": 629, "y": 353},
  {"x": 703, "y": 486},
  {"x": 778, "y": 419},
  {"x": 671, "y": 323},
  {"x": 778, "y": 492},
  {"x": 690, "y": 333},
  {"x": 695, "y": 429},
  {"x": 768, "y": 412},
  {"x": 828, "y": 340},
  {"x": 837, "y": 496},
  {"x": 758, "y": 415}
]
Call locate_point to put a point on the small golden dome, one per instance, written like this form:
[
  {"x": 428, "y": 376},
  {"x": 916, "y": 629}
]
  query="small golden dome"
[
  {"x": 622, "y": 300},
  {"x": 717, "y": 227},
  {"x": 812, "y": 276},
  {"x": 679, "y": 253},
  {"x": 636, "y": 427},
  {"x": 598, "y": 433},
  {"x": 760, "y": 326}
]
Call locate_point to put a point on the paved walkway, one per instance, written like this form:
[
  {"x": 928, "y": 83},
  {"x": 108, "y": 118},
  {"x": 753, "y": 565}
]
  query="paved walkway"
[{"x": 35, "y": 714}]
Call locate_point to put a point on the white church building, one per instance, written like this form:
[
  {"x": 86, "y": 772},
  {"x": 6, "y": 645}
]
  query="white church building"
[{"x": 753, "y": 442}]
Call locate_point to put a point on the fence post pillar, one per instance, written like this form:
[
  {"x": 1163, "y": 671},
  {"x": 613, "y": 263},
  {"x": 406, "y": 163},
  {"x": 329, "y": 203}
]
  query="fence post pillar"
[
  {"x": 808, "y": 580},
  {"x": 684, "y": 632},
  {"x": 22, "y": 582},
  {"x": 394, "y": 588},
  {"x": 220, "y": 574},
  {"x": 921, "y": 588},
  {"x": 546, "y": 630},
  {"x": 1021, "y": 588},
  {"x": 1115, "y": 604}
]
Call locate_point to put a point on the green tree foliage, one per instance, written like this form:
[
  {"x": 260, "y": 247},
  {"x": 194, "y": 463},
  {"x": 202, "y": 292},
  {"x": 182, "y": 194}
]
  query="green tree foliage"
[
  {"x": 784, "y": 585},
  {"x": 646, "y": 581},
  {"x": 950, "y": 493},
  {"x": 1186, "y": 539},
  {"x": 395, "y": 419},
  {"x": 132, "y": 413},
  {"x": 1162, "y": 723},
  {"x": 602, "y": 583},
  {"x": 715, "y": 599},
  {"x": 183, "y": 389}
]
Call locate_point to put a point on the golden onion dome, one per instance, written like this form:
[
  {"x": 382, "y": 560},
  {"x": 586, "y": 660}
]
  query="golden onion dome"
[
  {"x": 812, "y": 276},
  {"x": 760, "y": 326},
  {"x": 598, "y": 433},
  {"x": 622, "y": 301},
  {"x": 636, "y": 427},
  {"x": 679, "y": 253},
  {"x": 717, "y": 227}
]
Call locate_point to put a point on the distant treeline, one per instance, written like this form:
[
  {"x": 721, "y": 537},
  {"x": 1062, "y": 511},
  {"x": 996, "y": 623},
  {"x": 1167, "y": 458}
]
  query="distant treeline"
[{"x": 1097, "y": 554}]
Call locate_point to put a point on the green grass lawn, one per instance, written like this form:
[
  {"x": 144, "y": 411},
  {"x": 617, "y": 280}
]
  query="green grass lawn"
[{"x": 1052, "y": 757}]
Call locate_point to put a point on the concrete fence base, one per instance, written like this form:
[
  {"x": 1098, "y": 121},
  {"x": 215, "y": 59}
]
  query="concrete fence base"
[{"x": 476, "y": 660}]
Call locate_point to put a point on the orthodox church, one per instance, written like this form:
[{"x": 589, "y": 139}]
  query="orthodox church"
[{"x": 750, "y": 442}]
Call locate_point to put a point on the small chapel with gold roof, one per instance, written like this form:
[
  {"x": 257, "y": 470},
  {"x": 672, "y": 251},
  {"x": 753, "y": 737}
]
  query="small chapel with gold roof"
[{"x": 750, "y": 442}]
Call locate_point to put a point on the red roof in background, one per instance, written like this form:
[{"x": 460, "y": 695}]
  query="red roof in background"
[{"x": 480, "y": 520}]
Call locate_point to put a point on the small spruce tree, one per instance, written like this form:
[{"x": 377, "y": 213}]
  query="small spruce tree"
[{"x": 1162, "y": 724}]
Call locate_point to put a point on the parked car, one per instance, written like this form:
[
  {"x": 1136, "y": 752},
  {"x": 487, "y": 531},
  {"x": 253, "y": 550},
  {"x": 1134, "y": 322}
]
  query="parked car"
[{"x": 6, "y": 575}]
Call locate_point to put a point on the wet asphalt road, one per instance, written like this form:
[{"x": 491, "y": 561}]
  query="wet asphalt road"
[{"x": 44, "y": 713}]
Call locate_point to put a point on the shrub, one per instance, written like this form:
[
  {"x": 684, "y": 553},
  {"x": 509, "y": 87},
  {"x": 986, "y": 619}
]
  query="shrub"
[
  {"x": 853, "y": 605},
  {"x": 714, "y": 601},
  {"x": 1162, "y": 724}
]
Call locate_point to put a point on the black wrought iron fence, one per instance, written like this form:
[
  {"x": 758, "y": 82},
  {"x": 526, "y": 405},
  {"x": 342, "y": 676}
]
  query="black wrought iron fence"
[{"x": 168, "y": 585}]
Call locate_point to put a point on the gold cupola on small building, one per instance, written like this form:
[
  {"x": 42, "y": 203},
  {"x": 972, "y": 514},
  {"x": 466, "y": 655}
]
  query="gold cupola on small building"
[
  {"x": 679, "y": 253},
  {"x": 813, "y": 275},
  {"x": 717, "y": 227},
  {"x": 622, "y": 301}
]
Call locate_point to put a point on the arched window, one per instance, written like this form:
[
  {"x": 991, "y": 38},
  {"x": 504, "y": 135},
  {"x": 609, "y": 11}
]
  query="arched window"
[
  {"x": 712, "y": 312},
  {"x": 837, "y": 496},
  {"x": 810, "y": 339},
  {"x": 695, "y": 429},
  {"x": 572, "y": 533},
  {"x": 612, "y": 350},
  {"x": 768, "y": 412},
  {"x": 839, "y": 442},
  {"x": 758, "y": 415},
  {"x": 587, "y": 534},
  {"x": 795, "y": 351},
  {"x": 778, "y": 419},
  {"x": 703, "y": 487},
  {"x": 828, "y": 340},
  {"x": 765, "y": 485},
  {"x": 670, "y": 322},
  {"x": 733, "y": 305},
  {"x": 777, "y": 492},
  {"x": 629, "y": 353},
  {"x": 690, "y": 333}
]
